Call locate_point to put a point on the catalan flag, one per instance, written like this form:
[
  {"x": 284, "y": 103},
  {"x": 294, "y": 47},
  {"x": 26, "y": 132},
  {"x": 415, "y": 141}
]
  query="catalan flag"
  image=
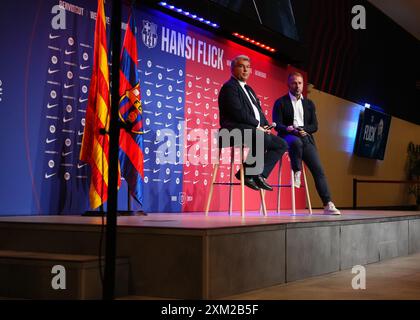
[
  {"x": 131, "y": 113},
  {"x": 95, "y": 144}
]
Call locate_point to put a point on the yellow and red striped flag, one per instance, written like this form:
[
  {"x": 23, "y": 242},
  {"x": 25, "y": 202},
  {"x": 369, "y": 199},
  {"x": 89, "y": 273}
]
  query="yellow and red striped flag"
[{"x": 95, "y": 145}]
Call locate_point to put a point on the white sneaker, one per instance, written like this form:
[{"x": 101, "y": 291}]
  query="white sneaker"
[
  {"x": 297, "y": 178},
  {"x": 331, "y": 209}
]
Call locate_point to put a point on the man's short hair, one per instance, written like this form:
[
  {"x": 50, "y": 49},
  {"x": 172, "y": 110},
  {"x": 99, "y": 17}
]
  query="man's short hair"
[
  {"x": 294, "y": 74},
  {"x": 237, "y": 58}
]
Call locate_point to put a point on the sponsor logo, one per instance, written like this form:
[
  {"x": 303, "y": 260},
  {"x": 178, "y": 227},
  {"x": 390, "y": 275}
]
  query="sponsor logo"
[
  {"x": 206, "y": 114},
  {"x": 179, "y": 81},
  {"x": 80, "y": 133},
  {"x": 147, "y": 102},
  {"x": 82, "y": 100},
  {"x": 64, "y": 154},
  {"x": 157, "y": 114},
  {"x": 66, "y": 86},
  {"x": 83, "y": 67},
  {"x": 52, "y": 71},
  {"x": 166, "y": 180},
  {"x": 53, "y": 37},
  {"x": 67, "y": 119},
  {"x": 49, "y": 106},
  {"x": 50, "y": 140},
  {"x": 169, "y": 70},
  {"x": 159, "y": 85},
  {"x": 68, "y": 52},
  {"x": 167, "y": 125},
  {"x": 47, "y": 176},
  {"x": 206, "y": 89},
  {"x": 178, "y": 108},
  {"x": 148, "y": 73},
  {"x": 198, "y": 78},
  {"x": 169, "y": 97},
  {"x": 156, "y": 170},
  {"x": 79, "y": 166}
]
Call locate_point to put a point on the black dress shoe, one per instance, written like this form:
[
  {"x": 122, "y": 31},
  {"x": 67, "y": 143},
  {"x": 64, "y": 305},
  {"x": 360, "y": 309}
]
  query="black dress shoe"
[
  {"x": 248, "y": 181},
  {"x": 260, "y": 181}
]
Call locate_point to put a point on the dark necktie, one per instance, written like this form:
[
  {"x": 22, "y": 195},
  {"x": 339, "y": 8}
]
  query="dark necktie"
[{"x": 251, "y": 95}]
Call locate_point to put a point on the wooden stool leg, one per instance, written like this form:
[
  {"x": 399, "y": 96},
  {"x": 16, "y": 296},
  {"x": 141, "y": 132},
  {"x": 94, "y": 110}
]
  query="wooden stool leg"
[
  {"x": 262, "y": 192},
  {"x": 308, "y": 197},
  {"x": 232, "y": 157},
  {"x": 293, "y": 192},
  {"x": 213, "y": 180},
  {"x": 279, "y": 188},
  {"x": 242, "y": 183}
]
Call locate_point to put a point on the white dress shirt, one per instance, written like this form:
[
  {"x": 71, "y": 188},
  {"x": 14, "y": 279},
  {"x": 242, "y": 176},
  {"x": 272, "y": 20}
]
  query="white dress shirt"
[
  {"x": 256, "y": 112},
  {"x": 297, "y": 110}
]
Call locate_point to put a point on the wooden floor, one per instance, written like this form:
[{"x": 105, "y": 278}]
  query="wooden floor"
[{"x": 215, "y": 219}]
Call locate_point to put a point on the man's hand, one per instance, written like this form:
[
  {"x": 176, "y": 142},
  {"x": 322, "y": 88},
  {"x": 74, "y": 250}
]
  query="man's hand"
[
  {"x": 290, "y": 128},
  {"x": 265, "y": 129},
  {"x": 302, "y": 133}
]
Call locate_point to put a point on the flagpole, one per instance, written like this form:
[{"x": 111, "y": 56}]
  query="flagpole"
[{"x": 111, "y": 223}]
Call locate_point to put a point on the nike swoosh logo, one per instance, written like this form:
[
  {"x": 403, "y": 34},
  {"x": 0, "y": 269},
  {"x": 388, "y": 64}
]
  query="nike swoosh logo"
[
  {"x": 198, "y": 78},
  {"x": 186, "y": 172},
  {"x": 145, "y": 160},
  {"x": 169, "y": 97},
  {"x": 194, "y": 182},
  {"x": 214, "y": 124},
  {"x": 49, "y": 106},
  {"x": 52, "y": 71},
  {"x": 159, "y": 85},
  {"x": 156, "y": 142},
  {"x": 179, "y": 81},
  {"x": 47, "y": 176},
  {"x": 178, "y": 108},
  {"x": 147, "y": 102},
  {"x": 188, "y": 93},
  {"x": 79, "y": 166},
  {"x": 83, "y": 67},
  {"x": 146, "y": 131},
  {"x": 147, "y": 73},
  {"x": 169, "y": 70},
  {"x": 53, "y": 37},
  {"x": 167, "y": 125},
  {"x": 157, "y": 114},
  {"x": 66, "y": 86},
  {"x": 64, "y": 154},
  {"x": 214, "y": 100},
  {"x": 67, "y": 120},
  {"x": 80, "y": 133},
  {"x": 206, "y": 89},
  {"x": 197, "y": 104},
  {"x": 68, "y": 52},
  {"x": 206, "y": 114},
  {"x": 165, "y": 181},
  {"x": 154, "y": 171},
  {"x": 82, "y": 100},
  {"x": 50, "y": 140}
]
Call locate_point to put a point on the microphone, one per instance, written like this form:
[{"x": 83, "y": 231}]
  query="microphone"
[{"x": 271, "y": 126}]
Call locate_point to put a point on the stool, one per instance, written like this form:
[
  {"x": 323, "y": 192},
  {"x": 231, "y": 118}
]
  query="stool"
[
  {"x": 231, "y": 184},
  {"x": 292, "y": 185}
]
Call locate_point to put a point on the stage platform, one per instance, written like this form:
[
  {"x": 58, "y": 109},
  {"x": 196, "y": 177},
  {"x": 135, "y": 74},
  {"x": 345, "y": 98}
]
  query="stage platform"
[{"x": 191, "y": 256}]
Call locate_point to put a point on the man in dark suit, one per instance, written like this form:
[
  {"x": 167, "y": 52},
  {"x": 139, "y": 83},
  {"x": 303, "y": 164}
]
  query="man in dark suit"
[
  {"x": 296, "y": 122},
  {"x": 240, "y": 109}
]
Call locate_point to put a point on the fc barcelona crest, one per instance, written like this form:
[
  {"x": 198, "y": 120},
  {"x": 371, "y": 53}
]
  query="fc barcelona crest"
[{"x": 149, "y": 34}]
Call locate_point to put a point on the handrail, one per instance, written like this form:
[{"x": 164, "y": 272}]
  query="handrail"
[{"x": 356, "y": 181}]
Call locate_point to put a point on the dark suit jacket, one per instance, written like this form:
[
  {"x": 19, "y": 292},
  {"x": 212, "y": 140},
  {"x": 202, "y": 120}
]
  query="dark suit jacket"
[
  {"x": 283, "y": 115},
  {"x": 235, "y": 108}
]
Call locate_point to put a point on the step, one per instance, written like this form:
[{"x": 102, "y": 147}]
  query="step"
[{"x": 28, "y": 275}]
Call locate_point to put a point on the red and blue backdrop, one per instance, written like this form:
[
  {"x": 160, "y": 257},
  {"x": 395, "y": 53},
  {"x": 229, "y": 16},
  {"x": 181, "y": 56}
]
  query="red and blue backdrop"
[{"x": 44, "y": 79}]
